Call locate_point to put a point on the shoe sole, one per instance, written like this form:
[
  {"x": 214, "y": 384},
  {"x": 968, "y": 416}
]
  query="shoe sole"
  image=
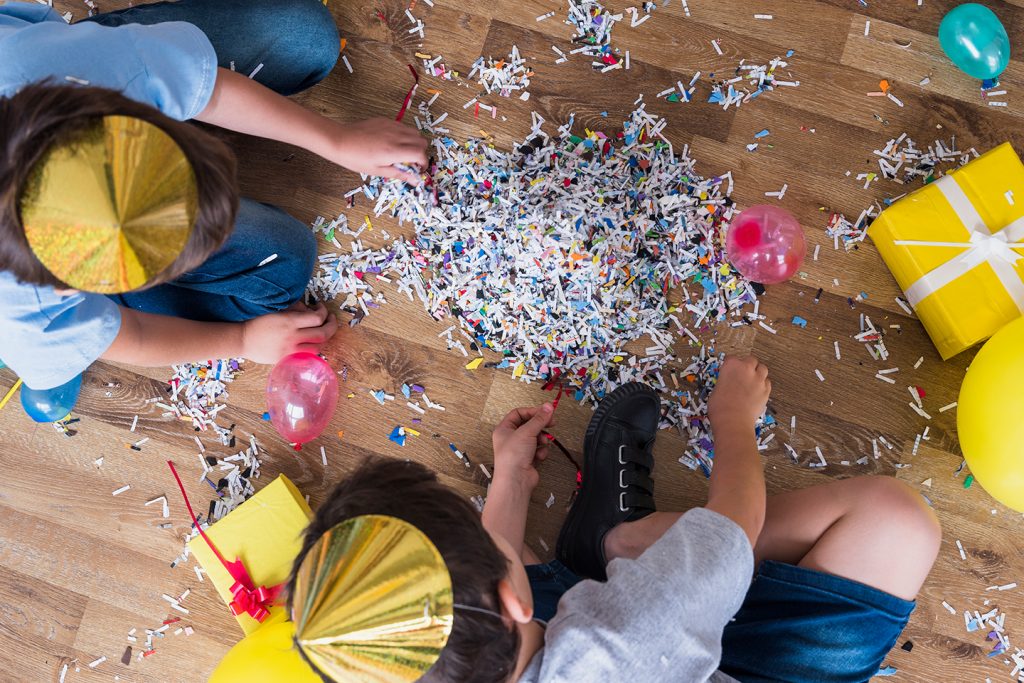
[{"x": 576, "y": 515}]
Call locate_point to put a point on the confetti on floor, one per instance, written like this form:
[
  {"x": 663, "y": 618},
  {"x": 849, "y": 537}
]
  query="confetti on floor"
[
  {"x": 760, "y": 78},
  {"x": 902, "y": 161},
  {"x": 555, "y": 255},
  {"x": 505, "y": 77},
  {"x": 593, "y": 25},
  {"x": 198, "y": 393}
]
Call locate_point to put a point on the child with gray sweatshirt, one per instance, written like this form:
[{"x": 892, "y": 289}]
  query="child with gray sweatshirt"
[{"x": 807, "y": 585}]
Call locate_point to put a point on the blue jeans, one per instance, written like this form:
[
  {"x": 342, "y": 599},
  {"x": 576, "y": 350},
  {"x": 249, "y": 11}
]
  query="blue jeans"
[
  {"x": 297, "y": 43},
  {"x": 795, "y": 625},
  {"x": 549, "y": 582}
]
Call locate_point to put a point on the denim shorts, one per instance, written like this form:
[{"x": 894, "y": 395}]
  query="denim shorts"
[{"x": 796, "y": 625}]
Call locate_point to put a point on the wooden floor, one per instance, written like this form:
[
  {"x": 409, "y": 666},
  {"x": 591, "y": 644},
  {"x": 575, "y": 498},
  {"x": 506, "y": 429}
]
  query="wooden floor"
[{"x": 79, "y": 568}]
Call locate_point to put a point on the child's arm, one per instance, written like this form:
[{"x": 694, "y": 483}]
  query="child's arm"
[
  {"x": 150, "y": 340},
  {"x": 371, "y": 147},
  {"x": 519, "y": 446},
  {"x": 737, "y": 479}
]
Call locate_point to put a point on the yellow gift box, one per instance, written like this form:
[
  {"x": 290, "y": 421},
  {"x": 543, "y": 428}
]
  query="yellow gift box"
[
  {"x": 955, "y": 247},
  {"x": 265, "y": 533}
]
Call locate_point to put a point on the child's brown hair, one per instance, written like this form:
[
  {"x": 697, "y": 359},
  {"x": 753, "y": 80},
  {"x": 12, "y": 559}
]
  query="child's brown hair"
[
  {"x": 481, "y": 648},
  {"x": 43, "y": 114}
]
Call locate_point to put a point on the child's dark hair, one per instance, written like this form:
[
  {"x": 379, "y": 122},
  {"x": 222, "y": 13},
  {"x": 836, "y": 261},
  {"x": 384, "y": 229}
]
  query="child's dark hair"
[
  {"x": 481, "y": 648},
  {"x": 43, "y": 114}
]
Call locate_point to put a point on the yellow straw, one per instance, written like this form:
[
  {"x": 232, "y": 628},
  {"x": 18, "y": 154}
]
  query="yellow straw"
[{"x": 9, "y": 394}]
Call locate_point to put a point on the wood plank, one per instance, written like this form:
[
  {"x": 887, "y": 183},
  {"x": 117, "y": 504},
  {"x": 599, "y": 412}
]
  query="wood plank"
[
  {"x": 81, "y": 567},
  {"x": 910, "y": 56},
  {"x": 38, "y": 624}
]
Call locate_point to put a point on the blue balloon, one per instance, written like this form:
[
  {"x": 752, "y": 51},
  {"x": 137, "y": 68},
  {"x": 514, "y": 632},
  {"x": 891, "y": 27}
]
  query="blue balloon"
[
  {"x": 50, "y": 405},
  {"x": 975, "y": 40}
]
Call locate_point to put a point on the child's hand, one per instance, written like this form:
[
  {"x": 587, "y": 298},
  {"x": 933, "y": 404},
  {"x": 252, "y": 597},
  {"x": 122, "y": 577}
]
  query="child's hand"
[
  {"x": 375, "y": 145},
  {"x": 741, "y": 394},
  {"x": 270, "y": 337},
  {"x": 519, "y": 444}
]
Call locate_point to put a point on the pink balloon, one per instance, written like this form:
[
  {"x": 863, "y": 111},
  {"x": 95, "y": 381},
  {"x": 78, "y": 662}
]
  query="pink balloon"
[
  {"x": 302, "y": 392},
  {"x": 766, "y": 244}
]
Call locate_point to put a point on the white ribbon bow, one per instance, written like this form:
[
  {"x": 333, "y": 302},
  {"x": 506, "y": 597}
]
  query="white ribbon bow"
[{"x": 995, "y": 249}]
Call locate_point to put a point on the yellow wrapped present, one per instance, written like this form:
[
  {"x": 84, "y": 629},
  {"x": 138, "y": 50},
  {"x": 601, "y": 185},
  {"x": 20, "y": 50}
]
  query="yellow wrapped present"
[
  {"x": 258, "y": 540},
  {"x": 955, "y": 247}
]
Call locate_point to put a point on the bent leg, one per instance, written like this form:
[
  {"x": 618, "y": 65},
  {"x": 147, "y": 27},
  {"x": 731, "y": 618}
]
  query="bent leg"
[
  {"x": 296, "y": 42},
  {"x": 853, "y": 528},
  {"x": 839, "y": 566},
  {"x": 874, "y": 530},
  {"x": 263, "y": 267}
]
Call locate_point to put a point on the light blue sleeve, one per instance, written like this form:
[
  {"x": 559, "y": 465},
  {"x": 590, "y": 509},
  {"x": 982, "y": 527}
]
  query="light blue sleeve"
[
  {"x": 171, "y": 66},
  {"x": 48, "y": 339}
]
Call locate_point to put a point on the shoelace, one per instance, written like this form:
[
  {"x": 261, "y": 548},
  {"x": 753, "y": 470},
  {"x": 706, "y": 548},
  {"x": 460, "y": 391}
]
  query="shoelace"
[{"x": 579, "y": 470}]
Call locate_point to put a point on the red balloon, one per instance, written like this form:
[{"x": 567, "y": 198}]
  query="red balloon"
[
  {"x": 302, "y": 392},
  {"x": 766, "y": 244}
]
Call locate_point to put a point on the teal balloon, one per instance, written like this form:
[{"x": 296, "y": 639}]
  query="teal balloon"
[
  {"x": 974, "y": 39},
  {"x": 50, "y": 405}
]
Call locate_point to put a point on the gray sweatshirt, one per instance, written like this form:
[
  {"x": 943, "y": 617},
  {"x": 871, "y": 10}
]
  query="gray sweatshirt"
[{"x": 659, "y": 617}]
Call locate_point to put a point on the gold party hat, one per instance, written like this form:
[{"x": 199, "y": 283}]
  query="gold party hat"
[
  {"x": 110, "y": 209},
  {"x": 373, "y": 602}
]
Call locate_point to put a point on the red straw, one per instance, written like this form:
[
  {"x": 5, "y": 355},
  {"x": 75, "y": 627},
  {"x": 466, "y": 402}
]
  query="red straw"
[
  {"x": 191, "y": 514},
  {"x": 408, "y": 95}
]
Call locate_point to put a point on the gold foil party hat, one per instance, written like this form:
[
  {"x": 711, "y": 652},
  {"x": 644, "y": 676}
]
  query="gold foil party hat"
[
  {"x": 112, "y": 207},
  {"x": 372, "y": 602}
]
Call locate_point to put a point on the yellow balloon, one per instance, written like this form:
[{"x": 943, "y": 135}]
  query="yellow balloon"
[
  {"x": 990, "y": 416},
  {"x": 267, "y": 655}
]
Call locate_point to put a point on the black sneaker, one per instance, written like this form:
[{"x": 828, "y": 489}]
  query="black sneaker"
[{"x": 617, "y": 485}]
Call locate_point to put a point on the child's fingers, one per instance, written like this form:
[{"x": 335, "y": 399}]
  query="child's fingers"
[
  {"x": 319, "y": 334},
  {"x": 312, "y": 317},
  {"x": 540, "y": 420},
  {"x": 415, "y": 154},
  {"x": 515, "y": 418},
  {"x": 330, "y": 326},
  {"x": 413, "y": 179},
  {"x": 393, "y": 173}
]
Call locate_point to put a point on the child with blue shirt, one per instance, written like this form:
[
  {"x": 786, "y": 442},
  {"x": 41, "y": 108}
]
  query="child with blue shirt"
[{"x": 233, "y": 288}]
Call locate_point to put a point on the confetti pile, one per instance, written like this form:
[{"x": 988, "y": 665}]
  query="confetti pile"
[
  {"x": 692, "y": 415},
  {"x": 760, "y": 78},
  {"x": 900, "y": 160},
  {"x": 234, "y": 475},
  {"x": 504, "y": 77},
  {"x": 849, "y": 233},
  {"x": 436, "y": 67},
  {"x": 556, "y": 255},
  {"x": 198, "y": 392},
  {"x": 592, "y": 25}
]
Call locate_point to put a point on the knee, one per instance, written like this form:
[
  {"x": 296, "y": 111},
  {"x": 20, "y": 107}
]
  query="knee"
[
  {"x": 314, "y": 42},
  {"x": 297, "y": 268},
  {"x": 903, "y": 514},
  {"x": 270, "y": 230}
]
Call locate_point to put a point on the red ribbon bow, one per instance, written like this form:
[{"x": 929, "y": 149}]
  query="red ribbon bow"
[
  {"x": 248, "y": 598},
  {"x": 255, "y": 603}
]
